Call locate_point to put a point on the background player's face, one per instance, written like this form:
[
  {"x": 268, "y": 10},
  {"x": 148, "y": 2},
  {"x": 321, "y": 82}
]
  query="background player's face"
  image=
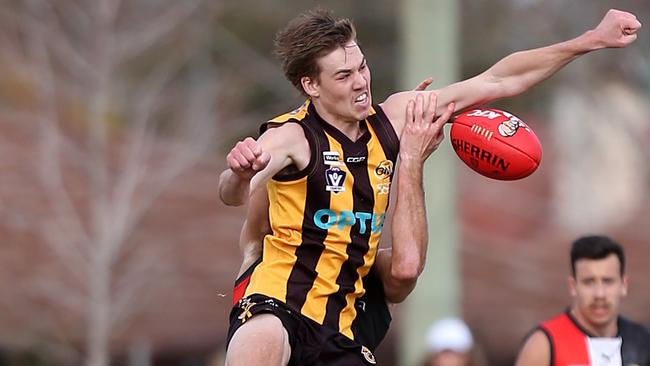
[
  {"x": 449, "y": 358},
  {"x": 343, "y": 85},
  {"x": 597, "y": 289}
]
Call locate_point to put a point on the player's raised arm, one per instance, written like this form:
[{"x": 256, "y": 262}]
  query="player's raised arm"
[
  {"x": 251, "y": 163},
  {"x": 519, "y": 71}
]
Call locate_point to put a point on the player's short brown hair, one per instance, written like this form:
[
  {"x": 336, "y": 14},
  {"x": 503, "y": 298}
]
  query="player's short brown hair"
[{"x": 306, "y": 38}]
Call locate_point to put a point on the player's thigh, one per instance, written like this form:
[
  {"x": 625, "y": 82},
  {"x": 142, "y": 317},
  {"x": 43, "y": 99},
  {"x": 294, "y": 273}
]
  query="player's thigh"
[{"x": 262, "y": 340}]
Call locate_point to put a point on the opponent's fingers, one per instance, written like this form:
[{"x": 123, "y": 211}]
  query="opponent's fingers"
[
  {"x": 410, "y": 106},
  {"x": 419, "y": 108},
  {"x": 430, "y": 111},
  {"x": 444, "y": 117}
]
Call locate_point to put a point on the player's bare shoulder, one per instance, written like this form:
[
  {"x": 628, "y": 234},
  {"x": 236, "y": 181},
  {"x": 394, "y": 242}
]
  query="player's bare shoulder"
[
  {"x": 536, "y": 351},
  {"x": 395, "y": 106},
  {"x": 287, "y": 145}
]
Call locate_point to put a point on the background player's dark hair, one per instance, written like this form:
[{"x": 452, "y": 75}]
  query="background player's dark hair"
[
  {"x": 596, "y": 247},
  {"x": 306, "y": 38}
]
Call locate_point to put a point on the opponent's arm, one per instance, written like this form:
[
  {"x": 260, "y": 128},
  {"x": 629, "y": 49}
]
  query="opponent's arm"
[
  {"x": 520, "y": 71},
  {"x": 251, "y": 163},
  {"x": 536, "y": 351},
  {"x": 400, "y": 268}
]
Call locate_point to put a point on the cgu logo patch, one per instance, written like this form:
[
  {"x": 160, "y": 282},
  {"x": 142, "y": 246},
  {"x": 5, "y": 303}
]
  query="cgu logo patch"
[
  {"x": 384, "y": 170},
  {"x": 327, "y": 219},
  {"x": 334, "y": 180}
]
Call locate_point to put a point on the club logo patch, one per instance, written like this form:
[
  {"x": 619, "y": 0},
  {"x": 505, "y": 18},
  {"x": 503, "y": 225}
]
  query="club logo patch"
[
  {"x": 368, "y": 355},
  {"x": 384, "y": 170},
  {"x": 331, "y": 158},
  {"x": 383, "y": 188},
  {"x": 334, "y": 179}
]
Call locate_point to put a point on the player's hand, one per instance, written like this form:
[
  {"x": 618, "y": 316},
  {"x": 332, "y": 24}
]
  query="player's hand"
[
  {"x": 424, "y": 84},
  {"x": 247, "y": 158},
  {"x": 422, "y": 134},
  {"x": 617, "y": 28}
]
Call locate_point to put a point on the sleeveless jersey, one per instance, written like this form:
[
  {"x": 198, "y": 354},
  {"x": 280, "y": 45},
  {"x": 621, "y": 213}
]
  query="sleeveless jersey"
[
  {"x": 327, "y": 219},
  {"x": 573, "y": 345}
]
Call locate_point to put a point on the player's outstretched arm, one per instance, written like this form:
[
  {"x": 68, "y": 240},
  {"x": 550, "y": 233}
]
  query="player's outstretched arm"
[
  {"x": 251, "y": 163},
  {"x": 536, "y": 351},
  {"x": 520, "y": 71},
  {"x": 420, "y": 137}
]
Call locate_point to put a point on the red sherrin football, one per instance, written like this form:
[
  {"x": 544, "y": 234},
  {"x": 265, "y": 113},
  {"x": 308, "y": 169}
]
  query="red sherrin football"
[{"x": 495, "y": 143}]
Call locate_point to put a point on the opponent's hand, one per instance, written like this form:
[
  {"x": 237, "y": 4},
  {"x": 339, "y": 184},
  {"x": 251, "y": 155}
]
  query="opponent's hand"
[
  {"x": 617, "y": 28},
  {"x": 422, "y": 135},
  {"x": 247, "y": 158}
]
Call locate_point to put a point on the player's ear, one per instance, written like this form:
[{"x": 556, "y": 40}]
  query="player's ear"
[
  {"x": 571, "y": 281},
  {"x": 625, "y": 283},
  {"x": 310, "y": 86}
]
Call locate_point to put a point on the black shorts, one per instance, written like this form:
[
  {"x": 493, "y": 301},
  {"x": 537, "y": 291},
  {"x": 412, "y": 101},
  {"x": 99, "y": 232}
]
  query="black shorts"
[
  {"x": 373, "y": 316},
  {"x": 311, "y": 343}
]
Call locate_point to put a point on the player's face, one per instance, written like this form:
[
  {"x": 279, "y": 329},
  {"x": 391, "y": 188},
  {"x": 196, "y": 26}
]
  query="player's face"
[
  {"x": 597, "y": 290},
  {"x": 343, "y": 86}
]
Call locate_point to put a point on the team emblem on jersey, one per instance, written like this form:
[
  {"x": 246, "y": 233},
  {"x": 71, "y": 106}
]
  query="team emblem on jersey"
[
  {"x": 331, "y": 158},
  {"x": 368, "y": 355},
  {"x": 245, "y": 304},
  {"x": 384, "y": 170},
  {"x": 383, "y": 188},
  {"x": 334, "y": 178}
]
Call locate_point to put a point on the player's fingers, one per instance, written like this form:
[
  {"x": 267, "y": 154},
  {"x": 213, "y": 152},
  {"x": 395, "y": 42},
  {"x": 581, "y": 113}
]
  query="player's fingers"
[
  {"x": 252, "y": 145},
  {"x": 247, "y": 153},
  {"x": 262, "y": 161},
  {"x": 424, "y": 84},
  {"x": 241, "y": 162}
]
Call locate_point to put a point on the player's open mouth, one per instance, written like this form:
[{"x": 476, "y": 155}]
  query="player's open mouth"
[{"x": 361, "y": 98}]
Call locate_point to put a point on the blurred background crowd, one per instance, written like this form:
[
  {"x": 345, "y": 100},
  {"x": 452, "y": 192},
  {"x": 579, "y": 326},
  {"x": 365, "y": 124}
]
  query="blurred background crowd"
[{"x": 115, "y": 118}]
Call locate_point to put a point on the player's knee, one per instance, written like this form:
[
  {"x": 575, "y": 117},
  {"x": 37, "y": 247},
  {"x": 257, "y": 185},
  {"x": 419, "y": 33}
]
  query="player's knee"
[{"x": 261, "y": 340}]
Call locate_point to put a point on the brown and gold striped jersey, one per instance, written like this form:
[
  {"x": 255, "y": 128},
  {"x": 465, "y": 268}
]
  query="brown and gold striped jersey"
[{"x": 327, "y": 219}]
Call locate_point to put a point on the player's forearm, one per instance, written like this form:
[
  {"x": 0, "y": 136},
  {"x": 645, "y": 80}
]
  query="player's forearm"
[
  {"x": 520, "y": 71},
  {"x": 233, "y": 190},
  {"x": 395, "y": 290},
  {"x": 409, "y": 228}
]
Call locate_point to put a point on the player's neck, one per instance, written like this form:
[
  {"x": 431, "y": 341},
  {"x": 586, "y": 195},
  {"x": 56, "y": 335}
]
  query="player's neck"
[
  {"x": 609, "y": 329},
  {"x": 350, "y": 128}
]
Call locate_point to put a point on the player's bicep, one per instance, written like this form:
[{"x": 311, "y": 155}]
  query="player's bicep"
[
  {"x": 468, "y": 93},
  {"x": 536, "y": 351}
]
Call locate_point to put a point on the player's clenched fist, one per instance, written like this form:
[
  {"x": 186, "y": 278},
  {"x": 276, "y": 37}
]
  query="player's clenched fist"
[
  {"x": 247, "y": 158},
  {"x": 617, "y": 28}
]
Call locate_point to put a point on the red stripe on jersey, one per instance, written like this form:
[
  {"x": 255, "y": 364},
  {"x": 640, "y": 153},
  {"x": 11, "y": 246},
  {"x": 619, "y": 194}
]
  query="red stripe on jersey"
[
  {"x": 240, "y": 289},
  {"x": 569, "y": 343}
]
